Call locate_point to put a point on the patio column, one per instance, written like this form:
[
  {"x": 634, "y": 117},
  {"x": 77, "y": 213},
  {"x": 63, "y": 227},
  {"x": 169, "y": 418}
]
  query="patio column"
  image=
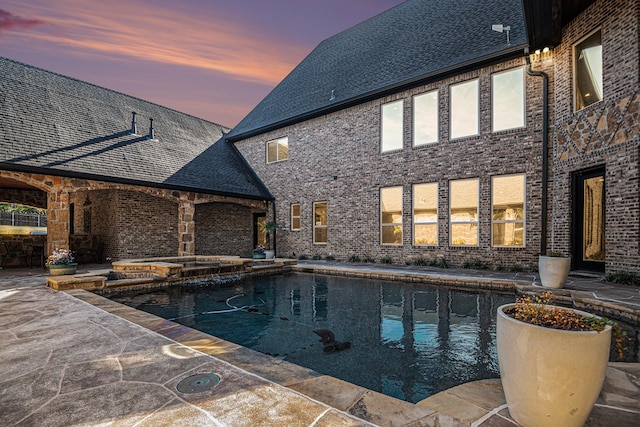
[
  {"x": 186, "y": 228},
  {"x": 57, "y": 220}
]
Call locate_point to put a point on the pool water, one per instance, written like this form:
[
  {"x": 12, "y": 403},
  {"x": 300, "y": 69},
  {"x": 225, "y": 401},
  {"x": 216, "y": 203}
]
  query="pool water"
[{"x": 408, "y": 341}]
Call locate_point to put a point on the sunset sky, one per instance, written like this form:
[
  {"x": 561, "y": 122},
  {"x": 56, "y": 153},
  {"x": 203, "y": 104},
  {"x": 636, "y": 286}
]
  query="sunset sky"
[{"x": 214, "y": 59}]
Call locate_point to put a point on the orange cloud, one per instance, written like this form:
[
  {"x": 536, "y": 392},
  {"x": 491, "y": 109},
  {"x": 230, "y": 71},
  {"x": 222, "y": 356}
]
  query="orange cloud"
[
  {"x": 9, "y": 21},
  {"x": 168, "y": 36}
]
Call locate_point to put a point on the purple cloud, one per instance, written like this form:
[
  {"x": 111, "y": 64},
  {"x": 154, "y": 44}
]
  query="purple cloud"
[{"x": 8, "y": 21}]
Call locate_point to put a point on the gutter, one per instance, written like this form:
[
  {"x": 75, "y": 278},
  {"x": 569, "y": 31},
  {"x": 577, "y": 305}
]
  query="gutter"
[{"x": 545, "y": 149}]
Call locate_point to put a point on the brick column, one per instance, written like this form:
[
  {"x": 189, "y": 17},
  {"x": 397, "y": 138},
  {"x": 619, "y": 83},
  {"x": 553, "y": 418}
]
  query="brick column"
[
  {"x": 186, "y": 228},
  {"x": 57, "y": 220}
]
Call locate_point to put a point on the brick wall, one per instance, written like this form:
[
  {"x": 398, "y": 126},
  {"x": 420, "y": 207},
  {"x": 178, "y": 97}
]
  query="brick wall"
[
  {"x": 224, "y": 229},
  {"x": 606, "y": 133},
  {"x": 336, "y": 158}
]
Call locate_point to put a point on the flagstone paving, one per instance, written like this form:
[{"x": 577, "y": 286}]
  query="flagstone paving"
[{"x": 75, "y": 358}]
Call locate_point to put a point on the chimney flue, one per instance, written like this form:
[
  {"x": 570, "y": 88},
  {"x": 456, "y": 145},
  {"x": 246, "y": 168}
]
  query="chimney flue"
[
  {"x": 134, "y": 124},
  {"x": 151, "y": 134}
]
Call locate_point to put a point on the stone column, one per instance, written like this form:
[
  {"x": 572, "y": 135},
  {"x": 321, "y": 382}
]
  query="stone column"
[
  {"x": 57, "y": 220},
  {"x": 186, "y": 228}
]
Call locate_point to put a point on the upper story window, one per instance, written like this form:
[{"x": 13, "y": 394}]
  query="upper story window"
[
  {"x": 391, "y": 215},
  {"x": 507, "y": 210},
  {"x": 278, "y": 150},
  {"x": 588, "y": 71},
  {"x": 507, "y": 100},
  {"x": 392, "y": 126},
  {"x": 425, "y": 118},
  {"x": 464, "y": 109},
  {"x": 295, "y": 217},
  {"x": 320, "y": 223},
  {"x": 464, "y": 195},
  {"x": 425, "y": 214}
]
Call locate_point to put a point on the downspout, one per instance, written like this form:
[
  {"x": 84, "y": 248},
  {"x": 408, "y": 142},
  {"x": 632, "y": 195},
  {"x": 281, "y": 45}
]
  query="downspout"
[
  {"x": 275, "y": 229},
  {"x": 545, "y": 149}
]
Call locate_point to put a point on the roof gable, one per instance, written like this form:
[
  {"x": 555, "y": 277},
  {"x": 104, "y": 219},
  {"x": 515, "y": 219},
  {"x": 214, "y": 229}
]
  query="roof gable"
[
  {"x": 416, "y": 40},
  {"x": 61, "y": 126}
]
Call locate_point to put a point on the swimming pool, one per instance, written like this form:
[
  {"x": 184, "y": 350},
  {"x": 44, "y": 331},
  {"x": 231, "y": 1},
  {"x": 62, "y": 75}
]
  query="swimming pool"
[{"x": 407, "y": 340}]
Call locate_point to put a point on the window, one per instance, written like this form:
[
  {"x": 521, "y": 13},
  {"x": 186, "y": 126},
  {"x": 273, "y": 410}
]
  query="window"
[
  {"x": 507, "y": 101},
  {"x": 464, "y": 109},
  {"x": 588, "y": 70},
  {"x": 278, "y": 150},
  {"x": 425, "y": 214},
  {"x": 391, "y": 215},
  {"x": 295, "y": 217},
  {"x": 392, "y": 126},
  {"x": 507, "y": 210},
  {"x": 463, "y": 196},
  {"x": 320, "y": 223},
  {"x": 425, "y": 118}
]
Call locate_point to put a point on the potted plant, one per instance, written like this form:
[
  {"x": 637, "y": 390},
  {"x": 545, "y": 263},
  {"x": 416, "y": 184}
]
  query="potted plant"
[
  {"x": 268, "y": 227},
  {"x": 554, "y": 269},
  {"x": 552, "y": 361},
  {"x": 61, "y": 262},
  {"x": 258, "y": 253}
]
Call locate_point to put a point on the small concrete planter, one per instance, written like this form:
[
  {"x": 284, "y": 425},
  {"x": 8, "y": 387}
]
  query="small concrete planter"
[
  {"x": 550, "y": 377},
  {"x": 62, "y": 269},
  {"x": 553, "y": 270},
  {"x": 270, "y": 254}
]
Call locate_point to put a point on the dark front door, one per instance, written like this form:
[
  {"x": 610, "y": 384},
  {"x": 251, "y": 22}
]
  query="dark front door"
[{"x": 588, "y": 219}]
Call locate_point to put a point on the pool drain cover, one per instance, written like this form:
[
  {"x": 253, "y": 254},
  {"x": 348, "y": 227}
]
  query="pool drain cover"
[{"x": 198, "y": 383}]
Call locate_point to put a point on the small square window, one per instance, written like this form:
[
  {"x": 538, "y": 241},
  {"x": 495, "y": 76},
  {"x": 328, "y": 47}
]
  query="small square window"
[{"x": 278, "y": 150}]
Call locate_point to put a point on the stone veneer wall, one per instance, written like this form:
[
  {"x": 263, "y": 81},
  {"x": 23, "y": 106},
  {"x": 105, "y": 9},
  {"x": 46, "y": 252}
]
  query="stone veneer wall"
[
  {"x": 606, "y": 133},
  {"x": 336, "y": 158},
  {"x": 214, "y": 234}
]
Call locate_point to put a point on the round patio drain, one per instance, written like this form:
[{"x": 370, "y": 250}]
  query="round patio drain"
[{"x": 198, "y": 383}]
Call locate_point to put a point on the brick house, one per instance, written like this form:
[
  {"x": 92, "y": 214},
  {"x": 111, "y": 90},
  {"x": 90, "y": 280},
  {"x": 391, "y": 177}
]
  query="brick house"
[
  {"x": 120, "y": 177},
  {"x": 426, "y": 132}
]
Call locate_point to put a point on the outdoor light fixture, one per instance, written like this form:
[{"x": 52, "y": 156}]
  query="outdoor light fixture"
[
  {"x": 540, "y": 55},
  {"x": 501, "y": 28}
]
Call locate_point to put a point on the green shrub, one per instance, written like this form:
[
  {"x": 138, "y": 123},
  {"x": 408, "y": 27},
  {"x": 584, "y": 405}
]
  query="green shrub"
[
  {"x": 386, "y": 260},
  {"x": 624, "y": 278},
  {"x": 303, "y": 257},
  {"x": 367, "y": 258},
  {"x": 330, "y": 257},
  {"x": 476, "y": 265},
  {"x": 420, "y": 262},
  {"x": 439, "y": 262},
  {"x": 354, "y": 258},
  {"x": 316, "y": 257}
]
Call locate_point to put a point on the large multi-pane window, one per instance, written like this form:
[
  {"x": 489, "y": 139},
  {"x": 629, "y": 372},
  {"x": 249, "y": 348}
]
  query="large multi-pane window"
[
  {"x": 320, "y": 223},
  {"x": 507, "y": 210},
  {"x": 391, "y": 126},
  {"x": 391, "y": 215},
  {"x": 507, "y": 100},
  {"x": 465, "y": 113},
  {"x": 464, "y": 195},
  {"x": 425, "y": 214},
  {"x": 588, "y": 70},
  {"x": 425, "y": 118},
  {"x": 295, "y": 217},
  {"x": 277, "y": 150}
]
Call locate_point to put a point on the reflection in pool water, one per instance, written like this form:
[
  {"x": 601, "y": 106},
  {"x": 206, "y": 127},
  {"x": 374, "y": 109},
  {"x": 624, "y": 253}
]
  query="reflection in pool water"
[{"x": 407, "y": 340}]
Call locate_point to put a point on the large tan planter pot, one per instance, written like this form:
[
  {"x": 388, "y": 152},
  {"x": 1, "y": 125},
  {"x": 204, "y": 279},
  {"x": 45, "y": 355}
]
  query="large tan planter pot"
[
  {"x": 553, "y": 270},
  {"x": 550, "y": 377},
  {"x": 62, "y": 269}
]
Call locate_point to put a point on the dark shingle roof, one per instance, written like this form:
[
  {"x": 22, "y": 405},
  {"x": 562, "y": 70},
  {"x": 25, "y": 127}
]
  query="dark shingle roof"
[
  {"x": 416, "y": 40},
  {"x": 61, "y": 126}
]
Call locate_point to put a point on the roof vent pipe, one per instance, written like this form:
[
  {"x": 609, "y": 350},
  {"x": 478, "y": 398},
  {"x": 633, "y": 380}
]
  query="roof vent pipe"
[
  {"x": 134, "y": 124},
  {"x": 151, "y": 135}
]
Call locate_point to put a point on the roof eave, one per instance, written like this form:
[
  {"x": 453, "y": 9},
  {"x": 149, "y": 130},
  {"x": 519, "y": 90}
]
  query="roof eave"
[
  {"x": 505, "y": 54},
  {"x": 78, "y": 175}
]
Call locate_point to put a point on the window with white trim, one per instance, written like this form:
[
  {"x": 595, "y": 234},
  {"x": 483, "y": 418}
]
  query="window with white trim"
[
  {"x": 463, "y": 212},
  {"x": 588, "y": 70},
  {"x": 507, "y": 100},
  {"x": 425, "y": 118},
  {"x": 320, "y": 223},
  {"x": 278, "y": 150},
  {"x": 425, "y": 214},
  {"x": 508, "y": 210},
  {"x": 391, "y": 215},
  {"x": 392, "y": 127},
  {"x": 295, "y": 217},
  {"x": 464, "y": 114}
]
